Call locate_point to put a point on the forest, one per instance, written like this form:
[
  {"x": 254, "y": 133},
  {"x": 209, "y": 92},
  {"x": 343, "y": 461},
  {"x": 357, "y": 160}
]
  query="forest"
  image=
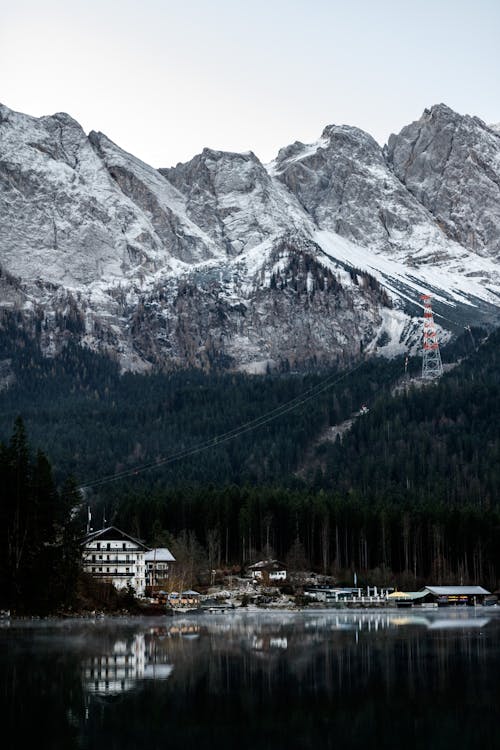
[
  {"x": 95, "y": 422},
  {"x": 409, "y": 494}
]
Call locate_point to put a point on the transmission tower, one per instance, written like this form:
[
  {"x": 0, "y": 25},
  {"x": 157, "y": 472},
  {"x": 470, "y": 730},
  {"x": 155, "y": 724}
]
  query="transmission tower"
[{"x": 432, "y": 367}]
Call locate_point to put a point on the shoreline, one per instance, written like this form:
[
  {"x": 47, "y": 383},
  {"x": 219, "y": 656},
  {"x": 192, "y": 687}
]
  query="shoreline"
[{"x": 180, "y": 613}]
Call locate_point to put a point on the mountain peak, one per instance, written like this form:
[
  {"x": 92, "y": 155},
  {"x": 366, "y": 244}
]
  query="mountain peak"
[
  {"x": 5, "y": 113},
  {"x": 64, "y": 118},
  {"x": 347, "y": 132},
  {"x": 440, "y": 110},
  {"x": 444, "y": 115},
  {"x": 212, "y": 260},
  {"x": 450, "y": 163}
]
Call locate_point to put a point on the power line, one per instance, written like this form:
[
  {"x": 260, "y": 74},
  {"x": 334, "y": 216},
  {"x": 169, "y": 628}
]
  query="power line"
[
  {"x": 225, "y": 437},
  {"x": 229, "y": 435}
]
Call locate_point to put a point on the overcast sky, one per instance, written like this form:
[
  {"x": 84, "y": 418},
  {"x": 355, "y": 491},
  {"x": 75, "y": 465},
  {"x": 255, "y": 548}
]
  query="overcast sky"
[{"x": 164, "y": 79}]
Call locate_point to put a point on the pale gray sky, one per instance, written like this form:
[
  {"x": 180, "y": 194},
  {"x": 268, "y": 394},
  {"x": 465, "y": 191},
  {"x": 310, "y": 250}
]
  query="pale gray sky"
[{"x": 164, "y": 79}]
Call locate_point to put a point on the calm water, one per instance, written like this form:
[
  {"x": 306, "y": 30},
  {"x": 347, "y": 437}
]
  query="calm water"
[{"x": 279, "y": 680}]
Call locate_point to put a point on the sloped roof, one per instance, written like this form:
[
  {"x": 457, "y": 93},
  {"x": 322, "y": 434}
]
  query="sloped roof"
[
  {"x": 457, "y": 590},
  {"x": 267, "y": 565},
  {"x": 417, "y": 594},
  {"x": 112, "y": 533},
  {"x": 409, "y": 595},
  {"x": 160, "y": 554}
]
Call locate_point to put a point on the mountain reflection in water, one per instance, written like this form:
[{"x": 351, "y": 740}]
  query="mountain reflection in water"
[{"x": 254, "y": 680}]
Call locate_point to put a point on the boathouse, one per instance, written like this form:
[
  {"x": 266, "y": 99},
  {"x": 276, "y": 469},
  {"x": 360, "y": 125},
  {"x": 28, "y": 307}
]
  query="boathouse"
[
  {"x": 442, "y": 596},
  {"x": 446, "y": 596}
]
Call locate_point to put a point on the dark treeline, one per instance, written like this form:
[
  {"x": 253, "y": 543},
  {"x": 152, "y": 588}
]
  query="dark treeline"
[
  {"x": 329, "y": 532},
  {"x": 39, "y": 548}
]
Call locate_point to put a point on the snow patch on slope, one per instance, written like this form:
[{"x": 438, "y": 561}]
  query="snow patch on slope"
[{"x": 457, "y": 281}]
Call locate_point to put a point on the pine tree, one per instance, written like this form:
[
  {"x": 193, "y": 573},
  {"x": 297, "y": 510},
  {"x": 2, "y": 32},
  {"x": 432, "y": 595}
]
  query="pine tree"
[{"x": 39, "y": 552}]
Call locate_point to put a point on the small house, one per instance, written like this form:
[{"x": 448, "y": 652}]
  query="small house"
[
  {"x": 158, "y": 564},
  {"x": 188, "y": 599},
  {"x": 268, "y": 571}
]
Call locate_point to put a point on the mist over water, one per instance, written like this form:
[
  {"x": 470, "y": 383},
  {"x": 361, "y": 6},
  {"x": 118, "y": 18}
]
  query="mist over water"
[{"x": 251, "y": 680}]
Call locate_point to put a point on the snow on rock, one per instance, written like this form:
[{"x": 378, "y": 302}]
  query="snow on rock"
[
  {"x": 158, "y": 199},
  {"x": 64, "y": 221},
  {"x": 233, "y": 198},
  {"x": 224, "y": 262},
  {"x": 344, "y": 183},
  {"x": 451, "y": 164}
]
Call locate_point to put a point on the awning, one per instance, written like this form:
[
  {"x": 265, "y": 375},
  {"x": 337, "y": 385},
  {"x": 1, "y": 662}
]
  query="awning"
[{"x": 399, "y": 595}]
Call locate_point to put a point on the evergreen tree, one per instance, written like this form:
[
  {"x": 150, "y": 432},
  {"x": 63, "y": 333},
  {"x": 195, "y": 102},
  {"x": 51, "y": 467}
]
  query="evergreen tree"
[{"x": 39, "y": 551}]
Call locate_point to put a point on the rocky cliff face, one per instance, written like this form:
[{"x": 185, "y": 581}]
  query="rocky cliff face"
[
  {"x": 233, "y": 198},
  {"x": 63, "y": 219},
  {"x": 226, "y": 262},
  {"x": 296, "y": 313},
  {"x": 346, "y": 186},
  {"x": 451, "y": 164}
]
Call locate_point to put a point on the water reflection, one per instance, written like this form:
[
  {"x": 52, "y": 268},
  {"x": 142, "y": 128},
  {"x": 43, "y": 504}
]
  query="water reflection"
[
  {"x": 250, "y": 680},
  {"x": 128, "y": 662}
]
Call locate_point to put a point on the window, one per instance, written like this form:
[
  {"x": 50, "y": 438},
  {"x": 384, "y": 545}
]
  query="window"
[
  {"x": 98, "y": 545},
  {"x": 124, "y": 545}
]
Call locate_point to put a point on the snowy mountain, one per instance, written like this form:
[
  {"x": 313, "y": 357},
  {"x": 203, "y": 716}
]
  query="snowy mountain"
[{"x": 226, "y": 262}]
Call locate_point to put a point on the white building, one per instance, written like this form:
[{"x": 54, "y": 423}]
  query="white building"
[{"x": 112, "y": 555}]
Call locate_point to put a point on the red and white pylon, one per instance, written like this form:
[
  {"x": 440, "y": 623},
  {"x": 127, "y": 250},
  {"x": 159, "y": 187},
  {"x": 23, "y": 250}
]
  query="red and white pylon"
[{"x": 432, "y": 367}]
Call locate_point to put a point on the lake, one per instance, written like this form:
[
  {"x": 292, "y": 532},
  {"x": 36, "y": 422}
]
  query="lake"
[{"x": 325, "y": 679}]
